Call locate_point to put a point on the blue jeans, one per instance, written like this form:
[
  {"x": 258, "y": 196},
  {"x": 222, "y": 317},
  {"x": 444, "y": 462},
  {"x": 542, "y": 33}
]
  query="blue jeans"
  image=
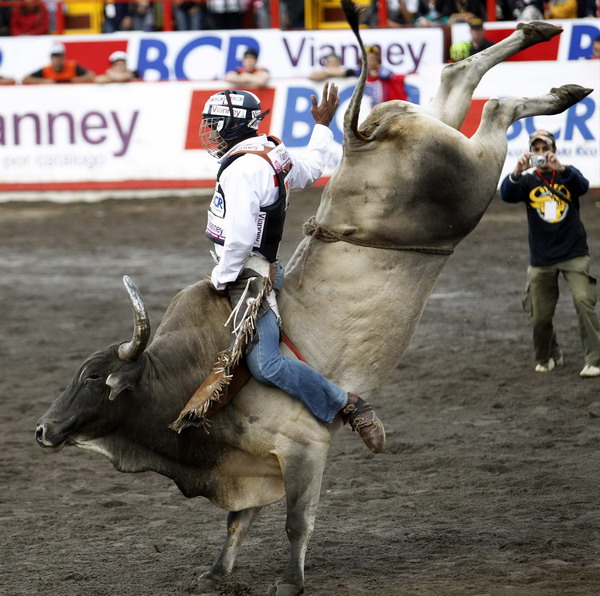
[{"x": 323, "y": 398}]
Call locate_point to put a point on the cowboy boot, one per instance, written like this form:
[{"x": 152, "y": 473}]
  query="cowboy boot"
[{"x": 363, "y": 420}]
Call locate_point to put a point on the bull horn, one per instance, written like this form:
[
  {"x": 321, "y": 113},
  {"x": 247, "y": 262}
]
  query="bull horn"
[{"x": 130, "y": 351}]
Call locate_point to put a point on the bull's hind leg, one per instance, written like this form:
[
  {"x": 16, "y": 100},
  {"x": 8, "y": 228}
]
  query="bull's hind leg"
[
  {"x": 302, "y": 475},
  {"x": 458, "y": 81},
  {"x": 499, "y": 114},
  {"x": 238, "y": 524}
]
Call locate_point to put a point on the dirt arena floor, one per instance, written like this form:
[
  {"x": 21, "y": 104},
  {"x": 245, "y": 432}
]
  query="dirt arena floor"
[{"x": 490, "y": 484}]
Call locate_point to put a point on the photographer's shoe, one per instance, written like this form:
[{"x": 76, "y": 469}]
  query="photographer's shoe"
[
  {"x": 589, "y": 371},
  {"x": 363, "y": 420},
  {"x": 544, "y": 367}
]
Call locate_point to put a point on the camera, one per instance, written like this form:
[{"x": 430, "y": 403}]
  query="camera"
[{"x": 537, "y": 160}]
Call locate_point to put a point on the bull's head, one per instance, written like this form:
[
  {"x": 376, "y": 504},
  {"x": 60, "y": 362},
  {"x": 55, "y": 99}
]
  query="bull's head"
[{"x": 84, "y": 411}]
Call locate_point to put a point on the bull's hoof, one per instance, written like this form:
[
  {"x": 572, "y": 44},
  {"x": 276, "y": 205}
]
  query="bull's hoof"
[
  {"x": 204, "y": 586},
  {"x": 538, "y": 31},
  {"x": 285, "y": 590},
  {"x": 569, "y": 95}
]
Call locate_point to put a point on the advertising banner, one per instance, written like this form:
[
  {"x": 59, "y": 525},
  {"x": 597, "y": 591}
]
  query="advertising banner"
[
  {"x": 208, "y": 55},
  {"x": 577, "y": 130},
  {"x": 574, "y": 43},
  {"x": 145, "y": 135},
  {"x": 85, "y": 136}
]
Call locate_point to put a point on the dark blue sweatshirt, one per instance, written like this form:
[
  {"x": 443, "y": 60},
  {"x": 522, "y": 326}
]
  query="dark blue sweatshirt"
[{"x": 556, "y": 232}]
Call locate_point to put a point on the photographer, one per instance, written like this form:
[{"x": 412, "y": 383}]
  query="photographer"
[{"x": 558, "y": 244}]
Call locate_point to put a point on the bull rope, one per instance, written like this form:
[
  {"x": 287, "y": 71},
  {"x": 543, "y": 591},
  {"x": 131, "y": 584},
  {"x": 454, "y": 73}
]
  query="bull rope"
[{"x": 318, "y": 231}]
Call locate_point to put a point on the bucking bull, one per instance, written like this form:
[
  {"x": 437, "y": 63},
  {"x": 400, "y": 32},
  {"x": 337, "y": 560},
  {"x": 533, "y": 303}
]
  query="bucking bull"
[{"x": 386, "y": 225}]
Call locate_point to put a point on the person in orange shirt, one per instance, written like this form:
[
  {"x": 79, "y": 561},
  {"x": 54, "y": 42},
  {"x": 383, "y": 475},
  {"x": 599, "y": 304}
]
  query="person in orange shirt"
[{"x": 60, "y": 70}]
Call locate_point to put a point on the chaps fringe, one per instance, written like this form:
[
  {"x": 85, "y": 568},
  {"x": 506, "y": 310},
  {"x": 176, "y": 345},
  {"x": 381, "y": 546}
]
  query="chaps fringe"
[{"x": 215, "y": 385}]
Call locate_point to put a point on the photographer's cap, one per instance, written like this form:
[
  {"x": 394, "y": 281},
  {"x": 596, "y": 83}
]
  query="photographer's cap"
[{"x": 542, "y": 135}]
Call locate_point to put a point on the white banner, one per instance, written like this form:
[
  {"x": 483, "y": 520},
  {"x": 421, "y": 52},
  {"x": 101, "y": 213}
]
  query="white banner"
[{"x": 207, "y": 55}]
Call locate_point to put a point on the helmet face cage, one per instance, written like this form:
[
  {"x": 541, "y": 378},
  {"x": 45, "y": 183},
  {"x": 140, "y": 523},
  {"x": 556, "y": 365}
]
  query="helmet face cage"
[{"x": 227, "y": 117}]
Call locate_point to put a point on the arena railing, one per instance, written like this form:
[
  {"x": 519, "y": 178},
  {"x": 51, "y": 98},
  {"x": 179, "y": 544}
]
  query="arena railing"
[{"x": 62, "y": 11}]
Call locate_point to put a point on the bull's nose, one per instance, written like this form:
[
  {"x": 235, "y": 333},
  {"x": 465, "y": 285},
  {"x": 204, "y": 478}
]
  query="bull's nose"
[
  {"x": 39, "y": 434},
  {"x": 43, "y": 438}
]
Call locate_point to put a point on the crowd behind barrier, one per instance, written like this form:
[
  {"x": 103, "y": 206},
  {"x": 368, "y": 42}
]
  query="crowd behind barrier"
[
  {"x": 42, "y": 17},
  {"x": 222, "y": 54}
]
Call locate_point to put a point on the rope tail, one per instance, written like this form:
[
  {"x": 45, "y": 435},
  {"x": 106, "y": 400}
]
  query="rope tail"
[{"x": 352, "y": 12}]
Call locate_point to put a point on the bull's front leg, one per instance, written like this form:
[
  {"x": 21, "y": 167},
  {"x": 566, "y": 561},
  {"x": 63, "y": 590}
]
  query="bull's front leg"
[
  {"x": 238, "y": 525},
  {"x": 302, "y": 475}
]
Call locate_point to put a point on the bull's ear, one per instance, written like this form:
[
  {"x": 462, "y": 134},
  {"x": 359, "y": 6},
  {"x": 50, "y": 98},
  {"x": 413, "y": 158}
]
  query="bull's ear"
[{"x": 120, "y": 381}]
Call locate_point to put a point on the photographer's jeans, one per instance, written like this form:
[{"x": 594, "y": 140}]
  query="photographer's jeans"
[{"x": 322, "y": 397}]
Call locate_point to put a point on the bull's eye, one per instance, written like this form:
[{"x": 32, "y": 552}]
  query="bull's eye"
[{"x": 94, "y": 377}]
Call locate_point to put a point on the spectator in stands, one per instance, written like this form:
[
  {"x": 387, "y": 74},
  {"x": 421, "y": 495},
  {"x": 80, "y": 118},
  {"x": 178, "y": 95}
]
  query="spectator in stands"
[
  {"x": 117, "y": 72},
  {"x": 595, "y": 49},
  {"x": 382, "y": 84},
  {"x": 463, "y": 49},
  {"x": 429, "y": 15},
  {"x": 560, "y": 9},
  {"x": 333, "y": 67},
  {"x": 260, "y": 13},
  {"x": 249, "y": 74},
  {"x": 116, "y": 17},
  {"x": 528, "y": 10},
  {"x": 292, "y": 14},
  {"x": 460, "y": 11},
  {"x": 142, "y": 15},
  {"x": 588, "y": 8},
  {"x": 400, "y": 12},
  {"x": 479, "y": 41},
  {"x": 29, "y": 19},
  {"x": 60, "y": 70},
  {"x": 226, "y": 14},
  {"x": 504, "y": 10},
  {"x": 189, "y": 14},
  {"x": 4, "y": 20}
]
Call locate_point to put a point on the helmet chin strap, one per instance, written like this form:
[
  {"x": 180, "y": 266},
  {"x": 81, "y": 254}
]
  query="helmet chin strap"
[{"x": 259, "y": 117}]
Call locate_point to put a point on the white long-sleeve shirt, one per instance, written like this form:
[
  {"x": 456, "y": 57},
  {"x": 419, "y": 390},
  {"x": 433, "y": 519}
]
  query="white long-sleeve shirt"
[{"x": 248, "y": 185}]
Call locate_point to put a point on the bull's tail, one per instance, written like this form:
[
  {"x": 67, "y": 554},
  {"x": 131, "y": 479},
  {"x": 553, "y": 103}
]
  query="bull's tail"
[{"x": 352, "y": 12}]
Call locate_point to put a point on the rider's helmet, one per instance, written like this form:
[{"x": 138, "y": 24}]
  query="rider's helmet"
[{"x": 228, "y": 117}]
